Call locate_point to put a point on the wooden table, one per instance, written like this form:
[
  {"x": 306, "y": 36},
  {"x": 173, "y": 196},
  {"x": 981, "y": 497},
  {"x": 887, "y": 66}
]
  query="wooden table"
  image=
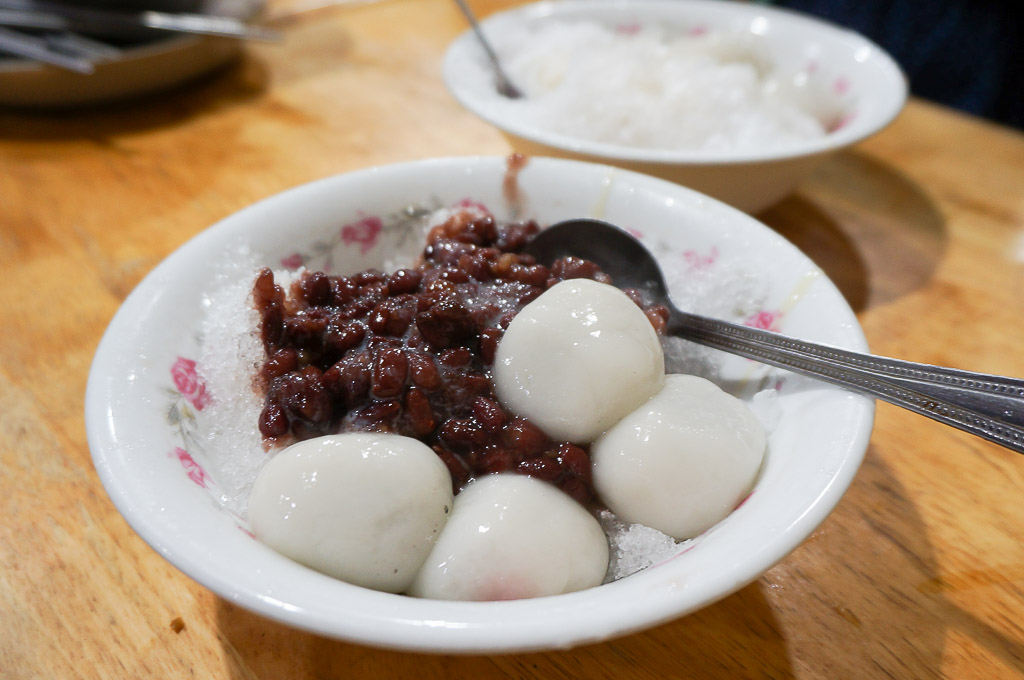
[{"x": 918, "y": 573}]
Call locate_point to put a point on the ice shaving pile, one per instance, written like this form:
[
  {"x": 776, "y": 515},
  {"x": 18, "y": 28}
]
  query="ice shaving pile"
[
  {"x": 473, "y": 426},
  {"x": 655, "y": 87}
]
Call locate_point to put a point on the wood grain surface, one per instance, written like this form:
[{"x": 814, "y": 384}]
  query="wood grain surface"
[{"x": 918, "y": 573}]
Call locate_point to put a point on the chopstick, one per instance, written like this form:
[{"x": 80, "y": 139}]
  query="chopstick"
[
  {"x": 76, "y": 45},
  {"x": 32, "y": 47},
  {"x": 47, "y": 15}
]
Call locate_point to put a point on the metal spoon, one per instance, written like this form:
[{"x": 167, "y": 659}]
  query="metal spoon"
[
  {"x": 505, "y": 86},
  {"x": 989, "y": 406}
]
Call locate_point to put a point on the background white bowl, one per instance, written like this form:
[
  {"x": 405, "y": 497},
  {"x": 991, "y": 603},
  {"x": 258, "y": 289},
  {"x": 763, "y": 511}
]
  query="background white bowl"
[
  {"x": 149, "y": 447},
  {"x": 870, "y": 85}
]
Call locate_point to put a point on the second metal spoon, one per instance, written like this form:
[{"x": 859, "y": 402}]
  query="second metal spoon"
[
  {"x": 989, "y": 406},
  {"x": 504, "y": 84}
]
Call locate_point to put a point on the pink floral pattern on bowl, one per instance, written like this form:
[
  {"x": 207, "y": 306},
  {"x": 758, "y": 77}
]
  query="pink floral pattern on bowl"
[
  {"x": 187, "y": 381},
  {"x": 363, "y": 233},
  {"x": 193, "y": 470}
]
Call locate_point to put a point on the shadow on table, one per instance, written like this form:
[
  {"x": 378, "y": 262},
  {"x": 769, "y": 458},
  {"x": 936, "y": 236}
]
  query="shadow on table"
[
  {"x": 872, "y": 229},
  {"x": 869, "y": 597},
  {"x": 719, "y": 641},
  {"x": 241, "y": 80}
]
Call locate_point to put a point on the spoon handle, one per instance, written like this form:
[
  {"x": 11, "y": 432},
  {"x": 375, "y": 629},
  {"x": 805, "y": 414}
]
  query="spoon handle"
[
  {"x": 504, "y": 83},
  {"x": 989, "y": 406}
]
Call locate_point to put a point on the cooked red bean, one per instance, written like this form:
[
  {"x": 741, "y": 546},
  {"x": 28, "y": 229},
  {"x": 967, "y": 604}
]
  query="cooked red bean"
[
  {"x": 489, "y": 344},
  {"x": 393, "y": 315},
  {"x": 316, "y": 289},
  {"x": 340, "y": 335},
  {"x": 421, "y": 415},
  {"x": 446, "y": 323},
  {"x": 273, "y": 421},
  {"x": 390, "y": 368},
  {"x": 524, "y": 436},
  {"x": 488, "y": 413},
  {"x": 404, "y": 281},
  {"x": 423, "y": 371},
  {"x": 284, "y": 360}
]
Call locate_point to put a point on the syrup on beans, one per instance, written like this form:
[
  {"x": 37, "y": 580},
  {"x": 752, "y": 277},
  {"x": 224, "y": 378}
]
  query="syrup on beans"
[{"x": 410, "y": 352}]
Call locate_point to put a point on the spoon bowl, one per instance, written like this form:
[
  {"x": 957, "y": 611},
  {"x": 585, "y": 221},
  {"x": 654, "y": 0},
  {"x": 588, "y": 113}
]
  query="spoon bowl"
[{"x": 989, "y": 406}]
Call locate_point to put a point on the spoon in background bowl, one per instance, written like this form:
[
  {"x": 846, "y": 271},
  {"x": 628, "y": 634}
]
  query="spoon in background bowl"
[
  {"x": 989, "y": 406},
  {"x": 504, "y": 84}
]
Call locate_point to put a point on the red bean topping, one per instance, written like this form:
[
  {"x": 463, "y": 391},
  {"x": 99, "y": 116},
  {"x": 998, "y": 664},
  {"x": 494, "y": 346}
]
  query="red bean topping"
[
  {"x": 404, "y": 281},
  {"x": 343, "y": 290},
  {"x": 280, "y": 362},
  {"x": 475, "y": 383},
  {"x": 379, "y": 412},
  {"x": 658, "y": 316},
  {"x": 489, "y": 344},
  {"x": 273, "y": 421},
  {"x": 514, "y": 236},
  {"x": 503, "y": 265},
  {"x": 456, "y": 357},
  {"x": 577, "y": 488},
  {"x": 410, "y": 352},
  {"x": 393, "y": 315},
  {"x": 524, "y": 436},
  {"x": 481, "y": 231},
  {"x": 542, "y": 468},
  {"x": 497, "y": 459},
  {"x": 457, "y": 467},
  {"x": 635, "y": 295},
  {"x": 302, "y": 396},
  {"x": 269, "y": 301},
  {"x": 368, "y": 276},
  {"x": 340, "y": 336},
  {"x": 316, "y": 288},
  {"x": 446, "y": 323},
  {"x": 421, "y": 415},
  {"x": 488, "y": 413},
  {"x": 573, "y": 268},
  {"x": 358, "y": 308},
  {"x": 375, "y": 290},
  {"x": 505, "y": 320},
  {"x": 574, "y": 459},
  {"x": 475, "y": 266},
  {"x": 355, "y": 378},
  {"x": 423, "y": 371},
  {"x": 531, "y": 275},
  {"x": 462, "y": 434},
  {"x": 390, "y": 368}
]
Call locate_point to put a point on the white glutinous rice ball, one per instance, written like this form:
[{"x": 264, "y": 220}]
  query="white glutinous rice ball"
[
  {"x": 577, "y": 359},
  {"x": 363, "y": 508},
  {"x": 511, "y": 537},
  {"x": 681, "y": 462}
]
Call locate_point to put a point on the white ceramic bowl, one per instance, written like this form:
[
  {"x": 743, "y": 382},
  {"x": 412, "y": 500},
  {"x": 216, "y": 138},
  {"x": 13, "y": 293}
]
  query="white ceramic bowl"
[
  {"x": 864, "y": 83},
  {"x": 149, "y": 447}
]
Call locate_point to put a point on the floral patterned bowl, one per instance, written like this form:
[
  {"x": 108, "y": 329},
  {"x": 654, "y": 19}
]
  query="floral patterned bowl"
[
  {"x": 146, "y": 399},
  {"x": 822, "y": 60}
]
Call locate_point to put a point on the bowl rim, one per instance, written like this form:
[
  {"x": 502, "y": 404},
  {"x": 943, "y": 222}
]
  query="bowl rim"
[
  {"x": 893, "y": 85},
  {"x": 432, "y": 625}
]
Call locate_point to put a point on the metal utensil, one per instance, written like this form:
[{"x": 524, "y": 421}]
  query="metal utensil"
[
  {"x": 54, "y": 15},
  {"x": 989, "y": 406},
  {"x": 504, "y": 84},
  {"x": 38, "y": 49}
]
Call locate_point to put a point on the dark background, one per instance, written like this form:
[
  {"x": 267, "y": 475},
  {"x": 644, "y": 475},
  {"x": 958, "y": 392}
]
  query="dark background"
[{"x": 966, "y": 54}]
